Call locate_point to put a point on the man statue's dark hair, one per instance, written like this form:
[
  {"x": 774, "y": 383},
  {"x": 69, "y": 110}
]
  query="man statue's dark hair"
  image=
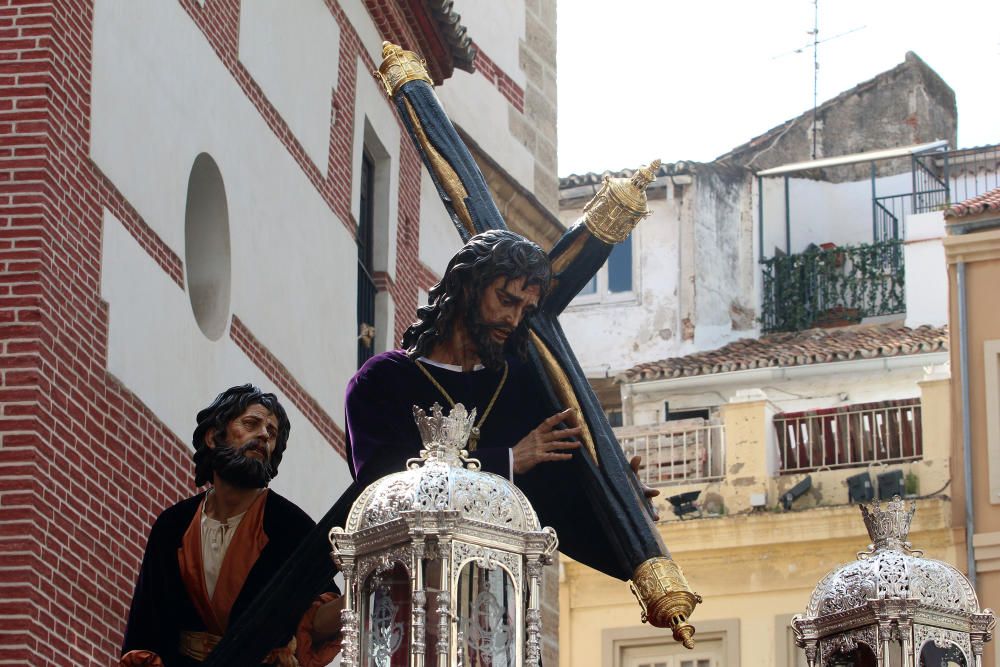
[
  {"x": 226, "y": 407},
  {"x": 486, "y": 257}
]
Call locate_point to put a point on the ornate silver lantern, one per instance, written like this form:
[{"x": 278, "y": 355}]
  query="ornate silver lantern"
[
  {"x": 442, "y": 562},
  {"x": 893, "y": 608}
]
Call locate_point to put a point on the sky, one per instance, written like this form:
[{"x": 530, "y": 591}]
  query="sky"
[{"x": 691, "y": 79}]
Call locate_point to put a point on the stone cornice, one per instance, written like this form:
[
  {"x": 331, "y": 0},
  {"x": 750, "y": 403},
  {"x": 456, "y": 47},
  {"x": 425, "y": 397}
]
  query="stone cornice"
[{"x": 973, "y": 247}]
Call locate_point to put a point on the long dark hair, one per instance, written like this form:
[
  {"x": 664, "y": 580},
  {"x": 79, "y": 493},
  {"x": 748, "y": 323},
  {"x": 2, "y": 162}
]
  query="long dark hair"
[
  {"x": 226, "y": 407},
  {"x": 486, "y": 257}
]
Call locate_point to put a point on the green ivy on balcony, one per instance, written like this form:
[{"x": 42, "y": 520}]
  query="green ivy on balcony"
[{"x": 832, "y": 287}]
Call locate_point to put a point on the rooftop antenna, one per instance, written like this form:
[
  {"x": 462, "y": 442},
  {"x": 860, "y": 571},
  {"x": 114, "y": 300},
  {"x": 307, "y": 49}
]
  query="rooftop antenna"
[{"x": 816, "y": 41}]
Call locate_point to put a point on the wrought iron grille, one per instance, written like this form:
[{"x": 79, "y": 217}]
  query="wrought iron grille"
[
  {"x": 855, "y": 435},
  {"x": 691, "y": 450},
  {"x": 830, "y": 287}
]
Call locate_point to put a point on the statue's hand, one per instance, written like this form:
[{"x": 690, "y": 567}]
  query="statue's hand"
[
  {"x": 647, "y": 490},
  {"x": 546, "y": 443}
]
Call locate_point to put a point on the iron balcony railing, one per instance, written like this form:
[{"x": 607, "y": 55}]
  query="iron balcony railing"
[
  {"x": 968, "y": 172},
  {"x": 841, "y": 285},
  {"x": 938, "y": 179},
  {"x": 690, "y": 450},
  {"x": 855, "y": 435}
]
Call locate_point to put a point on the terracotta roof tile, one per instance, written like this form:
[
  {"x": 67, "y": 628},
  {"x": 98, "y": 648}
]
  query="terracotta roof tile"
[
  {"x": 813, "y": 346},
  {"x": 990, "y": 201}
]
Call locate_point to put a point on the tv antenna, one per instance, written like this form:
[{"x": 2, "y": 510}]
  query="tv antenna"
[{"x": 814, "y": 45}]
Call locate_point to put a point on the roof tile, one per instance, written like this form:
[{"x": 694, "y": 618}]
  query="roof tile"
[
  {"x": 800, "y": 348},
  {"x": 989, "y": 201}
]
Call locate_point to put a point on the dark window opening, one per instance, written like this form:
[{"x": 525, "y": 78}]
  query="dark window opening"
[
  {"x": 678, "y": 415},
  {"x": 620, "y": 267},
  {"x": 366, "y": 282}
]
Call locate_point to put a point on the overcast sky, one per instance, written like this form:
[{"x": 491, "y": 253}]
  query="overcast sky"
[{"x": 690, "y": 79}]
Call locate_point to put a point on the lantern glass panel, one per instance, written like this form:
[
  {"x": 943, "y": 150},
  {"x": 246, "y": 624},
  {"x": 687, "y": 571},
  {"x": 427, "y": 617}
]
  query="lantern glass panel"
[
  {"x": 385, "y": 636},
  {"x": 487, "y": 616},
  {"x": 862, "y": 656},
  {"x": 933, "y": 655}
]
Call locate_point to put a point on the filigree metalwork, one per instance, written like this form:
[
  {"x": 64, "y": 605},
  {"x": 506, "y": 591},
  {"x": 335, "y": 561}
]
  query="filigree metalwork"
[
  {"x": 665, "y": 597},
  {"x": 386, "y": 635},
  {"x": 384, "y": 561},
  {"x": 619, "y": 205},
  {"x": 443, "y": 479},
  {"x": 349, "y": 645},
  {"x": 942, "y": 639},
  {"x": 890, "y": 527},
  {"x": 444, "y": 613},
  {"x": 533, "y": 634},
  {"x": 400, "y": 66},
  {"x": 847, "y": 643},
  {"x": 892, "y": 597},
  {"x": 419, "y": 620},
  {"x": 485, "y": 558}
]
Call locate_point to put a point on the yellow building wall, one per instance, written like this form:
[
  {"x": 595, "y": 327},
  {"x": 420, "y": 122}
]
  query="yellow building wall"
[
  {"x": 755, "y": 568},
  {"x": 980, "y": 253}
]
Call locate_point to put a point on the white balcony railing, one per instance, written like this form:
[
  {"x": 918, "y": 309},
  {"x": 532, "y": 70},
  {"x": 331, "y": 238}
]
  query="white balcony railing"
[
  {"x": 690, "y": 450},
  {"x": 854, "y": 435}
]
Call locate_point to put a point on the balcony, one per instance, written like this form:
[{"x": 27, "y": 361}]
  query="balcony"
[
  {"x": 838, "y": 240},
  {"x": 747, "y": 458},
  {"x": 677, "y": 452},
  {"x": 831, "y": 287},
  {"x": 849, "y": 436}
]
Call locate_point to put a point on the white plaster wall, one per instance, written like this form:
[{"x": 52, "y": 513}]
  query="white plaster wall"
[
  {"x": 926, "y": 270},
  {"x": 497, "y": 28},
  {"x": 293, "y": 56},
  {"x": 439, "y": 239},
  {"x": 612, "y": 336},
  {"x": 723, "y": 272},
  {"x": 358, "y": 16},
  {"x": 161, "y": 97},
  {"x": 156, "y": 350},
  {"x": 474, "y": 104},
  {"x": 823, "y": 212}
]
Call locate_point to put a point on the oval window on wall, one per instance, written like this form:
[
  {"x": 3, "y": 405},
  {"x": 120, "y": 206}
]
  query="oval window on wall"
[{"x": 206, "y": 247}]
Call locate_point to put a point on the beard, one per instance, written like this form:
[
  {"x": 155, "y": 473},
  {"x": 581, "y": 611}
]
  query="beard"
[
  {"x": 234, "y": 466},
  {"x": 491, "y": 352}
]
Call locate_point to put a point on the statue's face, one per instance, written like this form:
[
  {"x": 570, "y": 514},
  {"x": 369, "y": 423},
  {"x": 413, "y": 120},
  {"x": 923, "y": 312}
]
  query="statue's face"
[
  {"x": 242, "y": 455},
  {"x": 256, "y": 430},
  {"x": 503, "y": 305}
]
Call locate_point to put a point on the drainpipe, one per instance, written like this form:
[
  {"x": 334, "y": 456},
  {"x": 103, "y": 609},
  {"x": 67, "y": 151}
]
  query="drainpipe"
[{"x": 963, "y": 362}]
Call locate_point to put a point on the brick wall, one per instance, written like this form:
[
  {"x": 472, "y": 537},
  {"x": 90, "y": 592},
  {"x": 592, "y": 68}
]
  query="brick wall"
[{"x": 84, "y": 465}]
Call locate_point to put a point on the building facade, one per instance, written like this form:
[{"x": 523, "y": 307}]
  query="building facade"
[
  {"x": 201, "y": 193},
  {"x": 777, "y": 348},
  {"x": 972, "y": 248}
]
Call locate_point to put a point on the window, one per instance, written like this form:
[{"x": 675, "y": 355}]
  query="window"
[
  {"x": 786, "y": 653},
  {"x": 366, "y": 263},
  {"x": 620, "y": 267},
  {"x": 614, "y": 281},
  {"x": 718, "y": 645}
]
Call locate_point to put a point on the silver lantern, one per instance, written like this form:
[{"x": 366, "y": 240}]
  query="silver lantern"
[
  {"x": 442, "y": 562},
  {"x": 892, "y": 607}
]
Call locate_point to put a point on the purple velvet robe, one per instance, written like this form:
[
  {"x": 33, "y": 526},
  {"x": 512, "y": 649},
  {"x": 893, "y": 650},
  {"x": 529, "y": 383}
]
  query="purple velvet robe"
[{"x": 382, "y": 433}]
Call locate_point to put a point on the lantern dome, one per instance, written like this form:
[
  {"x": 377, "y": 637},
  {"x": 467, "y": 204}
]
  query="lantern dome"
[
  {"x": 892, "y": 606},
  {"x": 891, "y": 570},
  {"x": 444, "y": 478},
  {"x": 442, "y": 562}
]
